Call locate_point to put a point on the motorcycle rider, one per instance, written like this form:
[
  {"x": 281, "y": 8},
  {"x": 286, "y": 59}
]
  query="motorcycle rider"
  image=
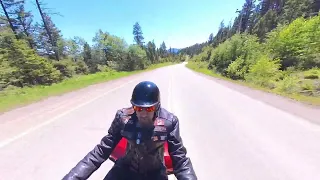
[{"x": 146, "y": 125}]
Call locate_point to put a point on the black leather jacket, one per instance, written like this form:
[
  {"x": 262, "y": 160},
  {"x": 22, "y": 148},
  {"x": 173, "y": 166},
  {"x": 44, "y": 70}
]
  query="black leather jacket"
[{"x": 183, "y": 169}]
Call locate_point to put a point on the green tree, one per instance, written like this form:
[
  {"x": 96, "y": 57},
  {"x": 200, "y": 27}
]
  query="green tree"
[
  {"x": 138, "y": 35},
  {"x": 26, "y": 67}
]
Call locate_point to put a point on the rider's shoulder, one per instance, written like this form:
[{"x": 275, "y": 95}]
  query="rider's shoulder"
[{"x": 167, "y": 115}]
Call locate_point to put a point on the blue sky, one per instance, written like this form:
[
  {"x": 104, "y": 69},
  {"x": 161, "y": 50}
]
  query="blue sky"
[{"x": 179, "y": 23}]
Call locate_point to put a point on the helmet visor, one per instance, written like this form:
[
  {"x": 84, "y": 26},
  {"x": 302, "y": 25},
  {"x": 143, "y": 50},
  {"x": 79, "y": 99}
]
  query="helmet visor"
[{"x": 143, "y": 103}]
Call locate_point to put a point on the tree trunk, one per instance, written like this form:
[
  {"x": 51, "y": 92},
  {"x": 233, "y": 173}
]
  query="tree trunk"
[
  {"x": 6, "y": 13},
  {"x": 48, "y": 31}
]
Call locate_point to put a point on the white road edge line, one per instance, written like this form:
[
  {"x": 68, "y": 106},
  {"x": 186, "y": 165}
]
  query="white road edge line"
[
  {"x": 10, "y": 140},
  {"x": 55, "y": 107}
]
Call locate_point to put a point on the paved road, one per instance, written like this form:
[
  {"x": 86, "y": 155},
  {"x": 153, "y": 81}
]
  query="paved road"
[{"x": 228, "y": 135}]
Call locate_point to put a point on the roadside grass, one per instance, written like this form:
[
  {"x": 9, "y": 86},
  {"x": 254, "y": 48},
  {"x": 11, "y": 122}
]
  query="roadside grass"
[
  {"x": 201, "y": 68},
  {"x": 15, "y": 97}
]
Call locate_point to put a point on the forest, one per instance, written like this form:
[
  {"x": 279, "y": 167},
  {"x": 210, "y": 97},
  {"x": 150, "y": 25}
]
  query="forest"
[
  {"x": 35, "y": 53},
  {"x": 272, "y": 44}
]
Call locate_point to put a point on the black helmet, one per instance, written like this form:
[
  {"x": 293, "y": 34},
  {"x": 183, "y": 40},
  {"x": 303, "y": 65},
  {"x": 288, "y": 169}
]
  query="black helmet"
[{"x": 145, "y": 94}]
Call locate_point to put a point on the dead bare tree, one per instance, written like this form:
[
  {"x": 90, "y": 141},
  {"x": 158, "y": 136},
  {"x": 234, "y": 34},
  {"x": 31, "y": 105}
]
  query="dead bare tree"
[
  {"x": 53, "y": 43},
  {"x": 8, "y": 18}
]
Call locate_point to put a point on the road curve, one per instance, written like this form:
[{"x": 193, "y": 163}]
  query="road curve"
[{"x": 228, "y": 134}]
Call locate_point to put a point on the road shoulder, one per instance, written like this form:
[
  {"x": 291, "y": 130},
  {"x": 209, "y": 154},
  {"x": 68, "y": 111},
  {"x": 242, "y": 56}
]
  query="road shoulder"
[{"x": 308, "y": 112}]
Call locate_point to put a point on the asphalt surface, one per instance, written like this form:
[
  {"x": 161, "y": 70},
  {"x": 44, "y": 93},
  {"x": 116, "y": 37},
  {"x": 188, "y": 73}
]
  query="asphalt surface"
[{"x": 228, "y": 135}]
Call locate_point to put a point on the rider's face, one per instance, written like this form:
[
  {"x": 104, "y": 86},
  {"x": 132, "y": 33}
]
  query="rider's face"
[{"x": 145, "y": 116}]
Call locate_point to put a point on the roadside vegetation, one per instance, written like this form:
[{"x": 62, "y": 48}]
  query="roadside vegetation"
[
  {"x": 275, "y": 48},
  {"x": 36, "y": 61},
  {"x": 12, "y": 97}
]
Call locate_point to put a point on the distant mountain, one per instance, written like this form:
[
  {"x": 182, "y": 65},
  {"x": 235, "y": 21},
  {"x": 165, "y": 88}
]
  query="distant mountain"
[
  {"x": 194, "y": 49},
  {"x": 174, "y": 50}
]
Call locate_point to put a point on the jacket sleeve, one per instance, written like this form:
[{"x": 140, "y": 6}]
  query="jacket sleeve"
[
  {"x": 182, "y": 166},
  {"x": 101, "y": 152}
]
